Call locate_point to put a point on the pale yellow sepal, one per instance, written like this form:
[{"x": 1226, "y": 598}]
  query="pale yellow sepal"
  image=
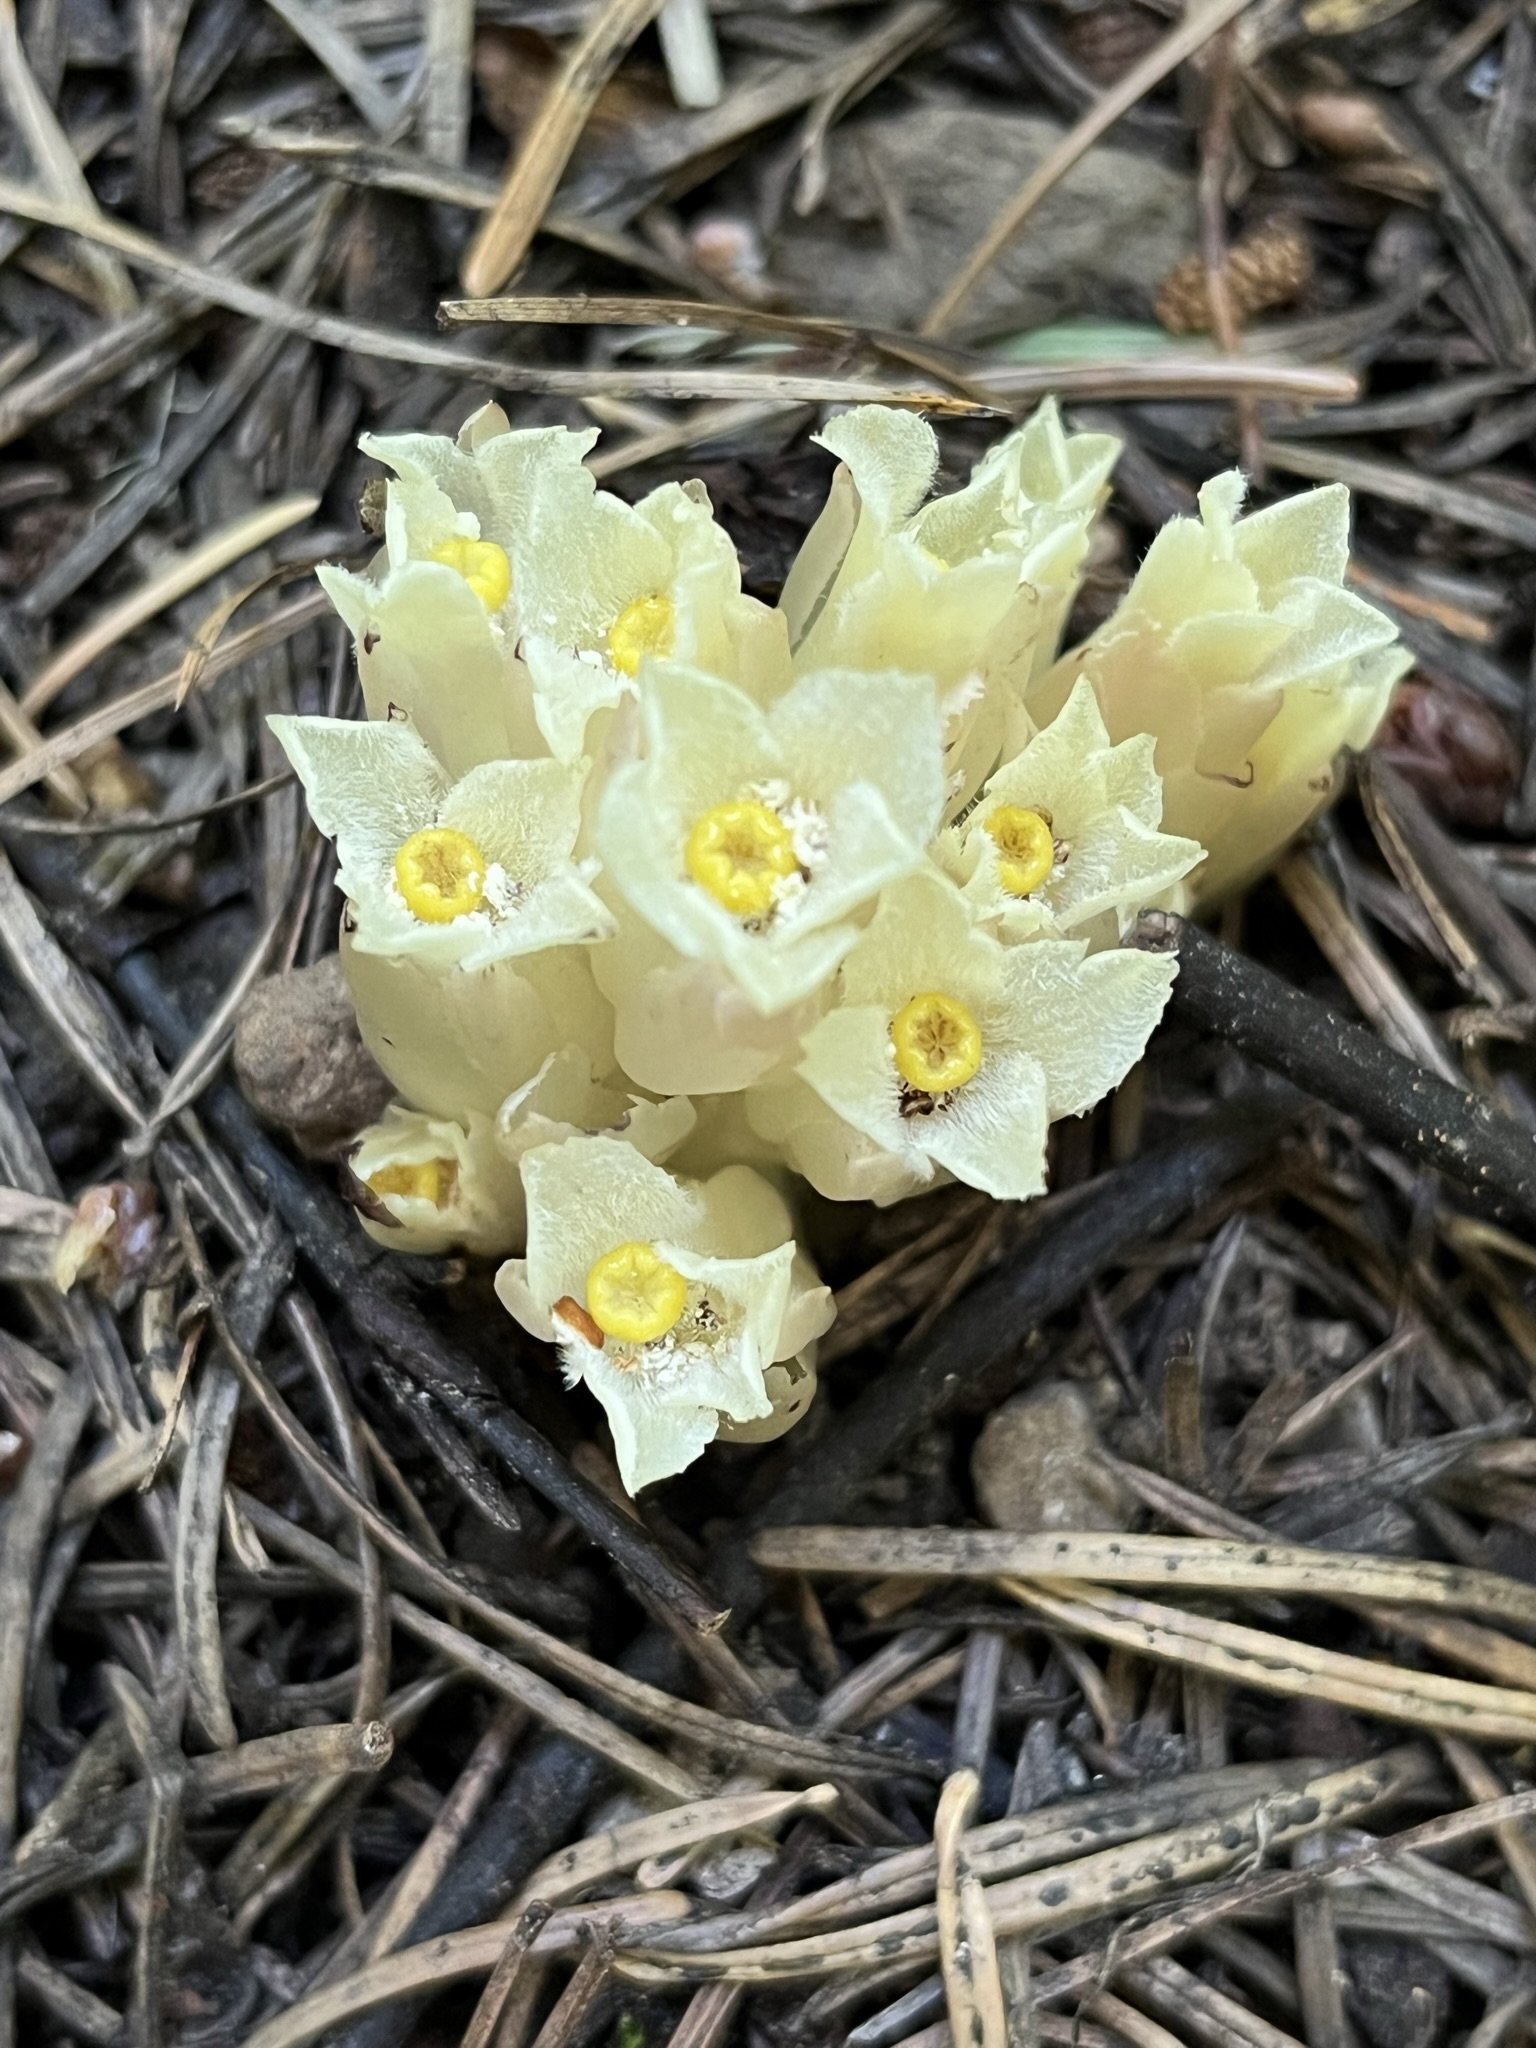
[
  {"x": 458, "y": 1039},
  {"x": 971, "y": 588},
  {"x": 429, "y": 645},
  {"x": 565, "y": 1099}
]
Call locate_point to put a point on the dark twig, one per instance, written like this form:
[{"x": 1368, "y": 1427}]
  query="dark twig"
[{"x": 1345, "y": 1065}]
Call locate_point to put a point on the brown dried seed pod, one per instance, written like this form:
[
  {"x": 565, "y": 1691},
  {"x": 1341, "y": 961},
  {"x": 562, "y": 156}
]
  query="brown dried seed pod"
[
  {"x": 1270, "y": 267},
  {"x": 1107, "y": 41},
  {"x": 1454, "y": 750},
  {"x": 1345, "y": 124}
]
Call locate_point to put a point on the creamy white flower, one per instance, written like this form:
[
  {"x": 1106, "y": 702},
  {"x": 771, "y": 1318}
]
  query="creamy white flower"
[
  {"x": 436, "y": 620},
  {"x": 948, "y": 1049},
  {"x": 1034, "y": 495},
  {"x": 1237, "y": 649},
  {"x": 438, "y": 1181},
  {"x": 434, "y": 1184},
  {"x": 454, "y": 874},
  {"x": 662, "y": 1297},
  {"x": 749, "y": 838},
  {"x": 971, "y": 588},
  {"x": 604, "y": 588},
  {"x": 1064, "y": 838},
  {"x": 458, "y": 1039}
]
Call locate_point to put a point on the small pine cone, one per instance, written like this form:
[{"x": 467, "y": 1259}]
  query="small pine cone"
[{"x": 1270, "y": 267}]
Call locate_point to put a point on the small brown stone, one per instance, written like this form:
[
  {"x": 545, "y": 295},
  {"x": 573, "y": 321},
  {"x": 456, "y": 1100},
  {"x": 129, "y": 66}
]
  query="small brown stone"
[
  {"x": 1036, "y": 1465},
  {"x": 301, "y": 1063}
]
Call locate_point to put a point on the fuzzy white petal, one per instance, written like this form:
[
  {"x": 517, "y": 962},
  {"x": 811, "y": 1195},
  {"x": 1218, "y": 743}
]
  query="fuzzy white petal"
[
  {"x": 428, "y": 650},
  {"x": 565, "y": 1098}
]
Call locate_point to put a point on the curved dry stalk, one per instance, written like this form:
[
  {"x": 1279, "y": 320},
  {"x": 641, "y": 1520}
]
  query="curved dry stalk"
[
  {"x": 1264, "y": 1888},
  {"x": 451, "y": 1958},
  {"x": 185, "y": 570},
  {"x": 973, "y": 1989},
  {"x": 1010, "y": 1846},
  {"x": 504, "y": 237},
  {"x": 1180, "y": 43},
  {"x": 1050, "y": 1899},
  {"x": 686, "y": 1720},
  {"x": 388, "y": 344},
  {"x": 118, "y": 713}
]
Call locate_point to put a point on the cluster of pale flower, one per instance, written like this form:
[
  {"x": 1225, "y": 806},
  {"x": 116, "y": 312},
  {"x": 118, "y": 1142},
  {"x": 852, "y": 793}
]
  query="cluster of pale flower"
[{"x": 657, "y": 895}]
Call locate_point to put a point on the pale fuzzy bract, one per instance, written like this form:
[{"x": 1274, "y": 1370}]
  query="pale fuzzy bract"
[
  {"x": 1059, "y": 1029},
  {"x": 487, "y": 476},
  {"x": 791, "y": 1389},
  {"x": 458, "y": 1039},
  {"x": 971, "y": 588},
  {"x": 1239, "y": 651},
  {"x": 585, "y": 556},
  {"x": 428, "y": 650},
  {"x": 682, "y": 1026},
  {"x": 468, "y": 1196},
  {"x": 426, "y": 644},
  {"x": 371, "y": 785},
  {"x": 854, "y": 758},
  {"x": 1103, "y": 804},
  {"x": 565, "y": 1098},
  {"x": 838, "y": 1160},
  {"x": 664, "y": 1399}
]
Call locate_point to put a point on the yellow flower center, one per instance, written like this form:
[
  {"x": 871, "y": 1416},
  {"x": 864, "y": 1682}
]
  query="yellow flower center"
[
  {"x": 648, "y": 626},
  {"x": 634, "y": 1295},
  {"x": 483, "y": 565},
  {"x": 425, "y": 1180},
  {"x": 740, "y": 852},
  {"x": 441, "y": 874},
  {"x": 937, "y": 1041},
  {"x": 1026, "y": 848}
]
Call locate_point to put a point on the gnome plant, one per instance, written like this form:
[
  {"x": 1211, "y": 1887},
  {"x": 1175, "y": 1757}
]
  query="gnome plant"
[{"x": 660, "y": 900}]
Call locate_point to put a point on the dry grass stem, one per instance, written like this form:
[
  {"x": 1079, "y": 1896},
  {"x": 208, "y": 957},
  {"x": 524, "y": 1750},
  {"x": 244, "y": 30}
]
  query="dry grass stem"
[
  {"x": 505, "y": 235},
  {"x": 1176, "y": 48}
]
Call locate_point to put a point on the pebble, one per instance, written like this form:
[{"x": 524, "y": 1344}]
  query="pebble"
[
  {"x": 300, "y": 1061},
  {"x": 1037, "y": 1465}
]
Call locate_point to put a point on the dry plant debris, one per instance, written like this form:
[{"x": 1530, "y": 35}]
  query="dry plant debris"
[{"x": 342, "y": 1698}]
